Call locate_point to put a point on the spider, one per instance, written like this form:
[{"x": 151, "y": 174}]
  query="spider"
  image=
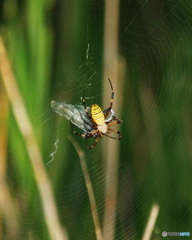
[{"x": 100, "y": 121}]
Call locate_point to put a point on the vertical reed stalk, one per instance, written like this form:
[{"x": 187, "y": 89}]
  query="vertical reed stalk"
[{"x": 111, "y": 147}]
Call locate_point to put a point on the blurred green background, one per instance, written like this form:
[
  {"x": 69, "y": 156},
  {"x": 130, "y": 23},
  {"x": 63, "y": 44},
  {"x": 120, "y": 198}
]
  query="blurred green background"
[{"x": 56, "y": 49}]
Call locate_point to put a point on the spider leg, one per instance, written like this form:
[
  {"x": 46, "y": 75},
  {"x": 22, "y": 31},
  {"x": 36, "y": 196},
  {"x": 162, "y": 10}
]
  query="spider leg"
[
  {"x": 111, "y": 102},
  {"x": 78, "y": 134},
  {"x": 109, "y": 136},
  {"x": 116, "y": 131},
  {"x": 84, "y": 105},
  {"x": 94, "y": 144},
  {"x": 118, "y": 121},
  {"x": 94, "y": 131}
]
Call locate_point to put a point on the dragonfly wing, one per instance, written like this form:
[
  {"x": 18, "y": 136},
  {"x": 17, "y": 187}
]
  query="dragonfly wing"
[{"x": 74, "y": 113}]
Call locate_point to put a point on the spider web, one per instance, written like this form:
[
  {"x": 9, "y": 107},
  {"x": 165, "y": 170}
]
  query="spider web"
[{"x": 154, "y": 165}]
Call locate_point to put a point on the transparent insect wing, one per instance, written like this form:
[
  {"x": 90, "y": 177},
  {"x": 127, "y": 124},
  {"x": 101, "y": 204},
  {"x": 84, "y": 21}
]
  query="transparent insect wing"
[{"x": 74, "y": 113}]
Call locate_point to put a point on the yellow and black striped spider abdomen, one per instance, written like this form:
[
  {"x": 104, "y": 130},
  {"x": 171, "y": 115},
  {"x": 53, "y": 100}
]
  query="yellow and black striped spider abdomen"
[{"x": 97, "y": 115}]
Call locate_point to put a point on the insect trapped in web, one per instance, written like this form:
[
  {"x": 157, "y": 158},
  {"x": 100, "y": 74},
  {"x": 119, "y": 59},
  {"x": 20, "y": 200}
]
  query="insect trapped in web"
[{"x": 91, "y": 120}]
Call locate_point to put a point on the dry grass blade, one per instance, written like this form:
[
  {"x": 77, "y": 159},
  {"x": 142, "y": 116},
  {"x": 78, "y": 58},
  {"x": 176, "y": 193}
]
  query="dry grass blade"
[
  {"x": 9, "y": 213},
  {"x": 111, "y": 148},
  {"x": 151, "y": 222},
  {"x": 89, "y": 189},
  {"x": 24, "y": 124}
]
